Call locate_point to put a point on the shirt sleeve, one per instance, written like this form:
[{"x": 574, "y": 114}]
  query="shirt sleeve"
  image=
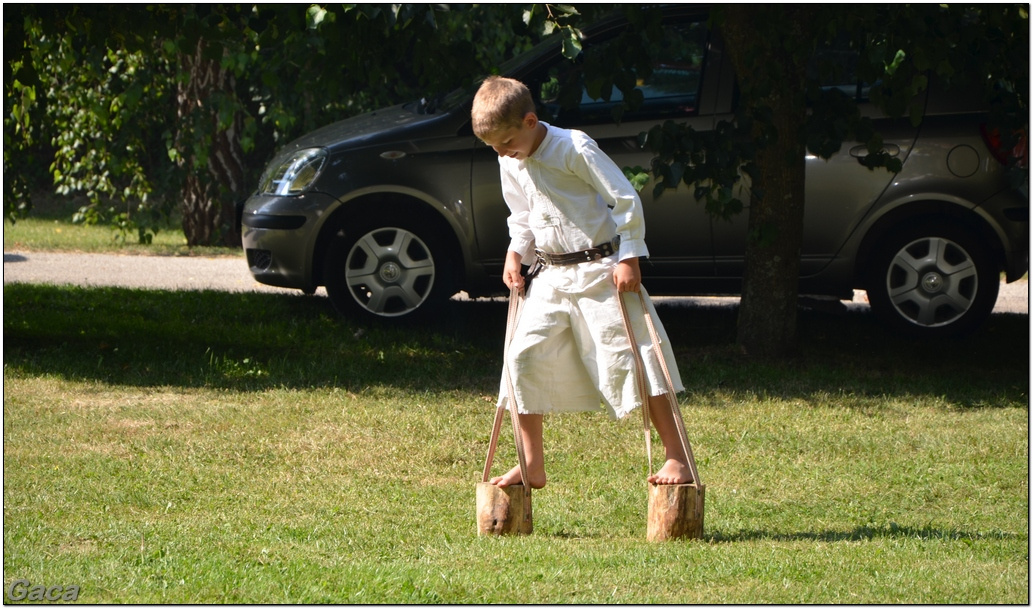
[
  {"x": 599, "y": 170},
  {"x": 521, "y": 239}
]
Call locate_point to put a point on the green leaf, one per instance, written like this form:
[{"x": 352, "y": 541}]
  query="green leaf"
[
  {"x": 638, "y": 177},
  {"x": 572, "y": 44},
  {"x": 897, "y": 60},
  {"x": 677, "y": 170},
  {"x": 565, "y": 10},
  {"x": 917, "y": 112},
  {"x": 314, "y": 16}
]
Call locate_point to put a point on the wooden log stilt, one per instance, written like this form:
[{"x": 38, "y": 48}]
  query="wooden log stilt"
[
  {"x": 500, "y": 510},
  {"x": 675, "y": 511}
]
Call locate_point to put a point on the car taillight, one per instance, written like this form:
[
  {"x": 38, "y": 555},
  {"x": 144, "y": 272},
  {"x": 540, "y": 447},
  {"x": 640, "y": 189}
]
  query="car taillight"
[{"x": 1018, "y": 154}]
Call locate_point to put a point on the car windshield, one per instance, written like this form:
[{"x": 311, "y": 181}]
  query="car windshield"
[{"x": 461, "y": 95}]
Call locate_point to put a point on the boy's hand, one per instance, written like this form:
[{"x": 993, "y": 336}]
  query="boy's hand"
[
  {"x": 511, "y": 275},
  {"x": 627, "y": 276}
]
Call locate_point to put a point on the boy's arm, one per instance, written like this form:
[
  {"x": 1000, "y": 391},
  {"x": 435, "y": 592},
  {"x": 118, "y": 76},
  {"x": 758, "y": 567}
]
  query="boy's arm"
[
  {"x": 599, "y": 170},
  {"x": 521, "y": 239}
]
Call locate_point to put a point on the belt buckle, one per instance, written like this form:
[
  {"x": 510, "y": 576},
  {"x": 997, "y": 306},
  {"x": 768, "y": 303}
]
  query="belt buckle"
[{"x": 543, "y": 258}]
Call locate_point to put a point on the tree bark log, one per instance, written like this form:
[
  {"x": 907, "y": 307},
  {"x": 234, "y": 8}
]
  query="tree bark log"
[
  {"x": 501, "y": 511},
  {"x": 675, "y": 511}
]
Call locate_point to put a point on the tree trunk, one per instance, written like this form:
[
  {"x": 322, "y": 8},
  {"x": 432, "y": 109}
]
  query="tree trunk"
[
  {"x": 212, "y": 154},
  {"x": 760, "y": 43},
  {"x": 768, "y": 310}
]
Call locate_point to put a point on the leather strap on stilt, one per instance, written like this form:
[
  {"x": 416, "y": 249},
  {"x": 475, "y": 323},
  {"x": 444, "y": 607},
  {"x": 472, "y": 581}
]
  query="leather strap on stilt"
[
  {"x": 641, "y": 381},
  {"x": 644, "y": 387},
  {"x": 493, "y": 443},
  {"x": 516, "y": 301}
]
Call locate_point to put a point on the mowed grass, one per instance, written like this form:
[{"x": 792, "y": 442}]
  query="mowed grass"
[
  {"x": 202, "y": 447},
  {"x": 49, "y": 227}
]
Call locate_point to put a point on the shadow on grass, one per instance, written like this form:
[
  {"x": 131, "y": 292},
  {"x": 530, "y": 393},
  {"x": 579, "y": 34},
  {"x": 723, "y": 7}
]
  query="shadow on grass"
[
  {"x": 863, "y": 533},
  {"x": 251, "y": 341}
]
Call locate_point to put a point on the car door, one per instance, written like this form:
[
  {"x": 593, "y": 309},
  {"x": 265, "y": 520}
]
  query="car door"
[{"x": 839, "y": 191}]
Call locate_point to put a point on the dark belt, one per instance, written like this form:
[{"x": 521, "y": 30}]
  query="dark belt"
[{"x": 593, "y": 253}]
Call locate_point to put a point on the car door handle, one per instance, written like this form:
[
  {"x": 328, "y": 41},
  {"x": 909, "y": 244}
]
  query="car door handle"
[{"x": 859, "y": 152}]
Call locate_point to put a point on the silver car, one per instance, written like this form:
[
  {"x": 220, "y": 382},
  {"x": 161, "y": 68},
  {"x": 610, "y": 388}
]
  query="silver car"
[{"x": 396, "y": 210}]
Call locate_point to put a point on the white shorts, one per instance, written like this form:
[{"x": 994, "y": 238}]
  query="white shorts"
[{"x": 571, "y": 353}]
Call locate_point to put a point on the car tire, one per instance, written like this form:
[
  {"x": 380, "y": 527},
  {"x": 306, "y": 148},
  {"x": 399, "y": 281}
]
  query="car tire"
[
  {"x": 932, "y": 281},
  {"x": 395, "y": 271}
]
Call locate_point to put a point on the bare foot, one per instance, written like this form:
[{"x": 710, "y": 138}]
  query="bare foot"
[
  {"x": 673, "y": 472},
  {"x": 513, "y": 477}
]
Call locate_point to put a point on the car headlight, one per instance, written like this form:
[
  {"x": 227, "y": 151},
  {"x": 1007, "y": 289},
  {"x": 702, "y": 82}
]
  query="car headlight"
[{"x": 295, "y": 174}]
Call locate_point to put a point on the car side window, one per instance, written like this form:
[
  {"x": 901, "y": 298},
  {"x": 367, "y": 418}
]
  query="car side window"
[
  {"x": 835, "y": 67},
  {"x": 670, "y": 89}
]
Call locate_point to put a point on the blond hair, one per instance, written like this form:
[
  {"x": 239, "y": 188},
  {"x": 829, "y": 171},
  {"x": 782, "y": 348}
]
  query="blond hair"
[{"x": 500, "y": 103}]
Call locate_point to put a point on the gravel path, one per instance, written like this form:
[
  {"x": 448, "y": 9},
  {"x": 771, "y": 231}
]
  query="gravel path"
[
  {"x": 231, "y": 274},
  {"x": 132, "y": 271}
]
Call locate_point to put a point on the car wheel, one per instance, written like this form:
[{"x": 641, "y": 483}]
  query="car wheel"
[
  {"x": 395, "y": 271},
  {"x": 933, "y": 281}
]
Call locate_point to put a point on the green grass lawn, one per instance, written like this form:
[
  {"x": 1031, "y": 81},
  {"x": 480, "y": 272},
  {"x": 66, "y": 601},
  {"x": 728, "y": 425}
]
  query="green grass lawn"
[
  {"x": 49, "y": 227},
  {"x": 203, "y": 447}
]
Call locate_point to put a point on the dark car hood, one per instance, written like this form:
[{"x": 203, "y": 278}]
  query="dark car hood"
[{"x": 389, "y": 124}]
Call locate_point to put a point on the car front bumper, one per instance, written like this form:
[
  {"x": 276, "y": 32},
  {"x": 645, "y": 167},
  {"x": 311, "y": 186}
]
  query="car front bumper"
[{"x": 279, "y": 237}]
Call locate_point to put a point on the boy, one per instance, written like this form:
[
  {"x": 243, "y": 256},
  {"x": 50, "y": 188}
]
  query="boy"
[{"x": 573, "y": 209}]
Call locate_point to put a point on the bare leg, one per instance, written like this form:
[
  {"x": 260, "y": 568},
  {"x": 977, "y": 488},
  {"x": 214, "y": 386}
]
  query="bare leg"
[
  {"x": 534, "y": 451},
  {"x": 676, "y": 469}
]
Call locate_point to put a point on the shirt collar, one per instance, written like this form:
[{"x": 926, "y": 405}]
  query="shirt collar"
[{"x": 545, "y": 140}]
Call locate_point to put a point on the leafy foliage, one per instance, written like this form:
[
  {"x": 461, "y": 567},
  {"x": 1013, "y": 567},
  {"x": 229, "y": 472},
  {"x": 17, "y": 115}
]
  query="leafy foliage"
[{"x": 111, "y": 99}]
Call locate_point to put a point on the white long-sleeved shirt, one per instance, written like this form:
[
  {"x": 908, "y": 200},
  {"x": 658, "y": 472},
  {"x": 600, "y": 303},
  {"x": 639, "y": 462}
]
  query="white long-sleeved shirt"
[{"x": 569, "y": 196}]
